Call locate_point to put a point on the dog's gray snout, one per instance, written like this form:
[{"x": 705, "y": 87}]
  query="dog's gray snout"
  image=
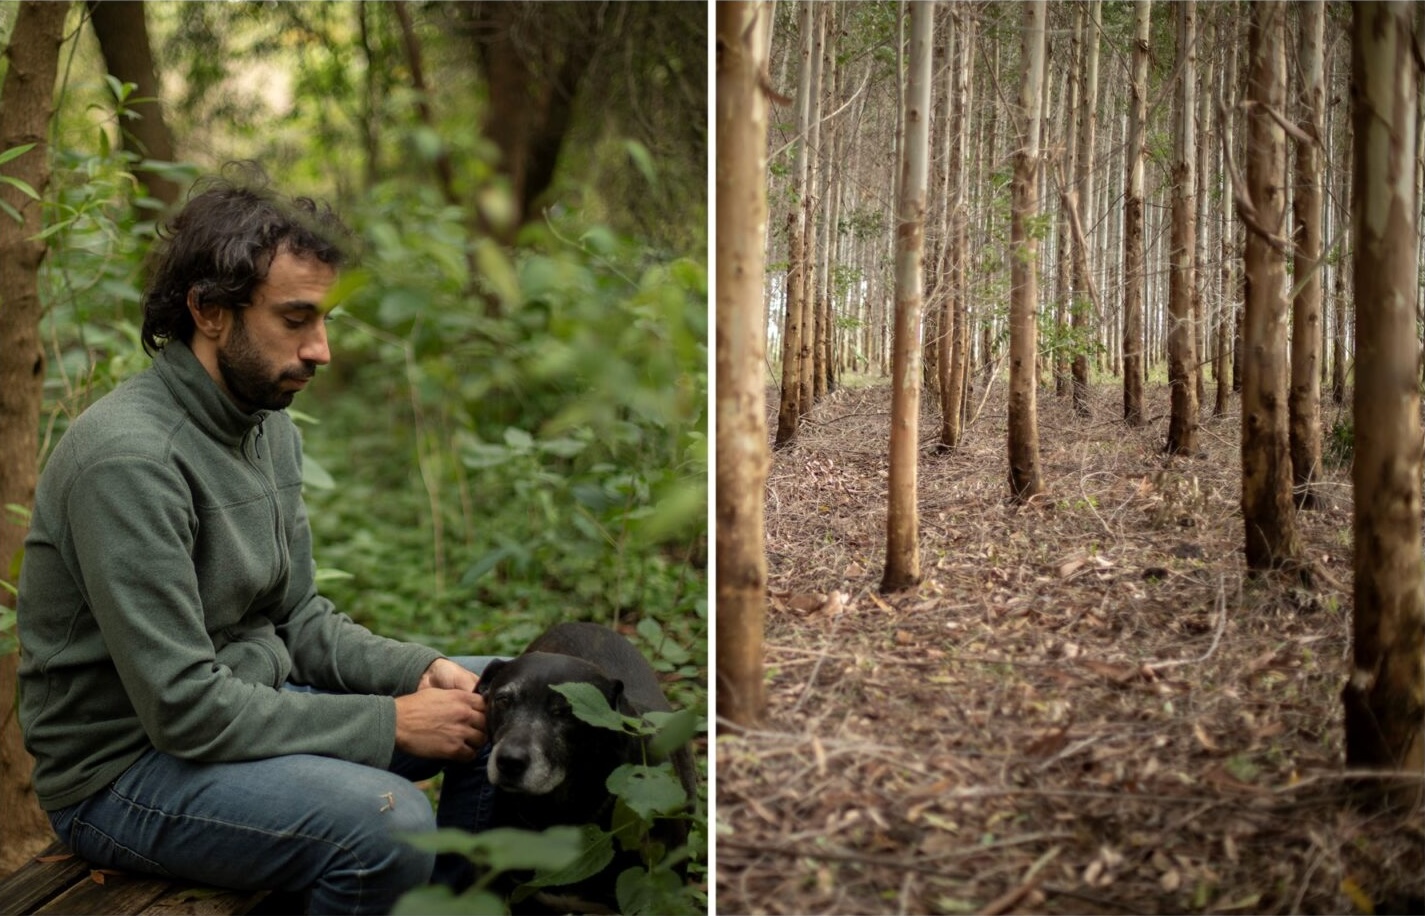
[{"x": 512, "y": 762}]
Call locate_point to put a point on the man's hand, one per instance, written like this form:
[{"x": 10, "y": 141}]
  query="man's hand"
[
  {"x": 441, "y": 723},
  {"x": 447, "y": 674}
]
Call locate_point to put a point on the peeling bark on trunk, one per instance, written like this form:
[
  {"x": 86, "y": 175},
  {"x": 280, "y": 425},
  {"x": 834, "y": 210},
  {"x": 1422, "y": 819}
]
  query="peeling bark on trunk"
[
  {"x": 1268, "y": 512},
  {"x": 25, "y": 110},
  {"x": 742, "y": 459},
  {"x": 1084, "y": 164},
  {"x": 902, "y": 515},
  {"x": 790, "y": 408},
  {"x": 1385, "y": 696},
  {"x": 1134, "y": 273},
  {"x": 1182, "y": 338},
  {"x": 1305, "y": 401},
  {"x": 1025, "y": 478}
]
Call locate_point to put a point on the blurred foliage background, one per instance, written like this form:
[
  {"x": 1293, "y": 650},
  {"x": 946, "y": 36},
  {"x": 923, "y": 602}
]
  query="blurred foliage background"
[{"x": 513, "y": 428}]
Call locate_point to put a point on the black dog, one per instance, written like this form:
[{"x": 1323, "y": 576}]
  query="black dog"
[{"x": 549, "y": 767}]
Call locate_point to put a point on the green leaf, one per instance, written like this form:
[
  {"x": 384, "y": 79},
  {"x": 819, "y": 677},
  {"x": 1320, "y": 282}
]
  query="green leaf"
[
  {"x": 15, "y": 152},
  {"x": 518, "y": 439},
  {"x": 485, "y": 564},
  {"x": 649, "y": 791},
  {"x": 591, "y": 706},
  {"x": 437, "y": 900},
  {"x": 643, "y": 159},
  {"x": 505, "y": 848},
  {"x": 328, "y": 574},
  {"x": 596, "y": 853},
  {"x": 21, "y": 186},
  {"x": 675, "y": 730},
  {"x": 316, "y": 476},
  {"x": 660, "y": 891}
]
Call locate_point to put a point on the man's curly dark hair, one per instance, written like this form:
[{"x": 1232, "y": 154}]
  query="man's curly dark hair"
[{"x": 221, "y": 245}]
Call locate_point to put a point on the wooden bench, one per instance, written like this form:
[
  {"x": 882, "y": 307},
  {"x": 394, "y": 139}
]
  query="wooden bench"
[{"x": 57, "y": 881}]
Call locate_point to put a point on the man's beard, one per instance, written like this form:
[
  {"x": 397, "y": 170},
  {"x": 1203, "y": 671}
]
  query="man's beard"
[{"x": 248, "y": 376}]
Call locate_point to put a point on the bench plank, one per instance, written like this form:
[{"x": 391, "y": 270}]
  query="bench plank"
[
  {"x": 57, "y": 881},
  {"x": 39, "y": 881}
]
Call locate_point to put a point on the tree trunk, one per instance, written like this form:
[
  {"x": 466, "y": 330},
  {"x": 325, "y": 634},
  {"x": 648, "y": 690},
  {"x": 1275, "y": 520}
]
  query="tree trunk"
[
  {"x": 902, "y": 520},
  {"x": 1134, "y": 264},
  {"x": 952, "y": 411},
  {"x": 1182, "y": 338},
  {"x": 791, "y": 408},
  {"x": 123, "y": 40},
  {"x": 741, "y": 340},
  {"x": 1385, "y": 697},
  {"x": 25, "y": 111},
  {"x": 1025, "y": 480},
  {"x": 533, "y": 57},
  {"x": 1305, "y": 402},
  {"x": 1267, "y": 508},
  {"x": 1085, "y": 330},
  {"x": 812, "y": 284}
]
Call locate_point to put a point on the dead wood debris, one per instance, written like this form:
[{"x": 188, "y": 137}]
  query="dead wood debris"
[{"x": 1085, "y": 707}]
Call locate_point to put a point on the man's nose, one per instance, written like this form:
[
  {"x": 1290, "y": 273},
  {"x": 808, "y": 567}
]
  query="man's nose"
[{"x": 314, "y": 348}]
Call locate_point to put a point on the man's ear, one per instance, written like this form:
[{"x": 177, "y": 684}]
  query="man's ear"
[{"x": 208, "y": 320}]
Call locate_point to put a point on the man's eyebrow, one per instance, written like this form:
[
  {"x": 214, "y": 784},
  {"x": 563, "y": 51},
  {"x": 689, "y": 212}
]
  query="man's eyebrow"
[{"x": 302, "y": 305}]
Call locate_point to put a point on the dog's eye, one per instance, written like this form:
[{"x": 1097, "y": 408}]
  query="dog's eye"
[
  {"x": 559, "y": 706},
  {"x": 500, "y": 701}
]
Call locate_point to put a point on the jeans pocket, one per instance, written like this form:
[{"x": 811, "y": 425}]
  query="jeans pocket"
[{"x": 98, "y": 848}]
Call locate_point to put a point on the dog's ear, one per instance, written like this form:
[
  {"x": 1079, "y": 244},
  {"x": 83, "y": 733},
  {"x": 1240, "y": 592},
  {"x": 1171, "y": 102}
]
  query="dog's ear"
[
  {"x": 617, "y": 699},
  {"x": 487, "y": 677}
]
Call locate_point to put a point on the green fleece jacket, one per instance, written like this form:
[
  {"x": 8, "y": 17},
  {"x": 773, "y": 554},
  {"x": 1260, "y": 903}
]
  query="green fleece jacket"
[{"x": 167, "y": 594}]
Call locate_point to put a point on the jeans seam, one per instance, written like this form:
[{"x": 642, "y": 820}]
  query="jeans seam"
[{"x": 361, "y": 871}]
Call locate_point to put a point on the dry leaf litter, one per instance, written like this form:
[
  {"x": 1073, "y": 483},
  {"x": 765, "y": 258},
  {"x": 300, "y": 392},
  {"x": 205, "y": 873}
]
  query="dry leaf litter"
[{"x": 1086, "y": 706}]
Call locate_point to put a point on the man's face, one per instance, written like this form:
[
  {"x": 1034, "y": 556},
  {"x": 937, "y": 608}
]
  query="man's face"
[{"x": 272, "y": 348}]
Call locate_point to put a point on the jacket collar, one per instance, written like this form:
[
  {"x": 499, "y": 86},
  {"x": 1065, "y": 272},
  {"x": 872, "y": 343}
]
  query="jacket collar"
[{"x": 201, "y": 398}]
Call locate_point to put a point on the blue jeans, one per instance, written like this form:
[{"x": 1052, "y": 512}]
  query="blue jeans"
[{"x": 302, "y": 823}]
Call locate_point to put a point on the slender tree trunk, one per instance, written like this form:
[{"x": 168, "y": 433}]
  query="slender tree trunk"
[
  {"x": 952, "y": 409},
  {"x": 790, "y": 407},
  {"x": 1385, "y": 697},
  {"x": 1267, "y": 508},
  {"x": 1083, "y": 265},
  {"x": 811, "y": 202},
  {"x": 902, "y": 518},
  {"x": 741, "y": 339},
  {"x": 25, "y": 111},
  {"x": 123, "y": 40},
  {"x": 1134, "y": 263},
  {"x": 1182, "y": 338},
  {"x": 1305, "y": 401},
  {"x": 1025, "y": 479}
]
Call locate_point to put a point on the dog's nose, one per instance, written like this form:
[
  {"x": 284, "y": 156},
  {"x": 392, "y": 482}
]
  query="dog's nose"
[{"x": 512, "y": 762}]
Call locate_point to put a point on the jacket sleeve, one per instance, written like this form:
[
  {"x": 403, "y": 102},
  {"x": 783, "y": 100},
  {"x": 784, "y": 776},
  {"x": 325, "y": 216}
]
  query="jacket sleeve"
[
  {"x": 134, "y": 536},
  {"x": 329, "y": 650}
]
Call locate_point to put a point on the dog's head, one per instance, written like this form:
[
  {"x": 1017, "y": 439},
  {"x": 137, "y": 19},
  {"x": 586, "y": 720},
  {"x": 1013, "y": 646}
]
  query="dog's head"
[{"x": 535, "y": 738}]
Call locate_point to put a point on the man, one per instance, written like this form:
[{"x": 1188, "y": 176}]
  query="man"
[{"x": 167, "y": 606}]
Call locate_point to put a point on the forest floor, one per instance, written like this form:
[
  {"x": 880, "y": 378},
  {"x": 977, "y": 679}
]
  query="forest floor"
[{"x": 1085, "y": 707}]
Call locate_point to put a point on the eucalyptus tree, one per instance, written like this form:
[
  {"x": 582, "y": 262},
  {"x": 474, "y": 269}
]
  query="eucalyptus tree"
[
  {"x": 1182, "y": 336},
  {"x": 26, "y": 100},
  {"x": 902, "y": 517},
  {"x": 1134, "y": 262},
  {"x": 1385, "y": 696},
  {"x": 1268, "y": 513},
  {"x": 1305, "y": 400},
  {"x": 1084, "y": 188},
  {"x": 1025, "y": 478},
  {"x": 794, "y": 330},
  {"x": 742, "y": 459},
  {"x": 953, "y": 390}
]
